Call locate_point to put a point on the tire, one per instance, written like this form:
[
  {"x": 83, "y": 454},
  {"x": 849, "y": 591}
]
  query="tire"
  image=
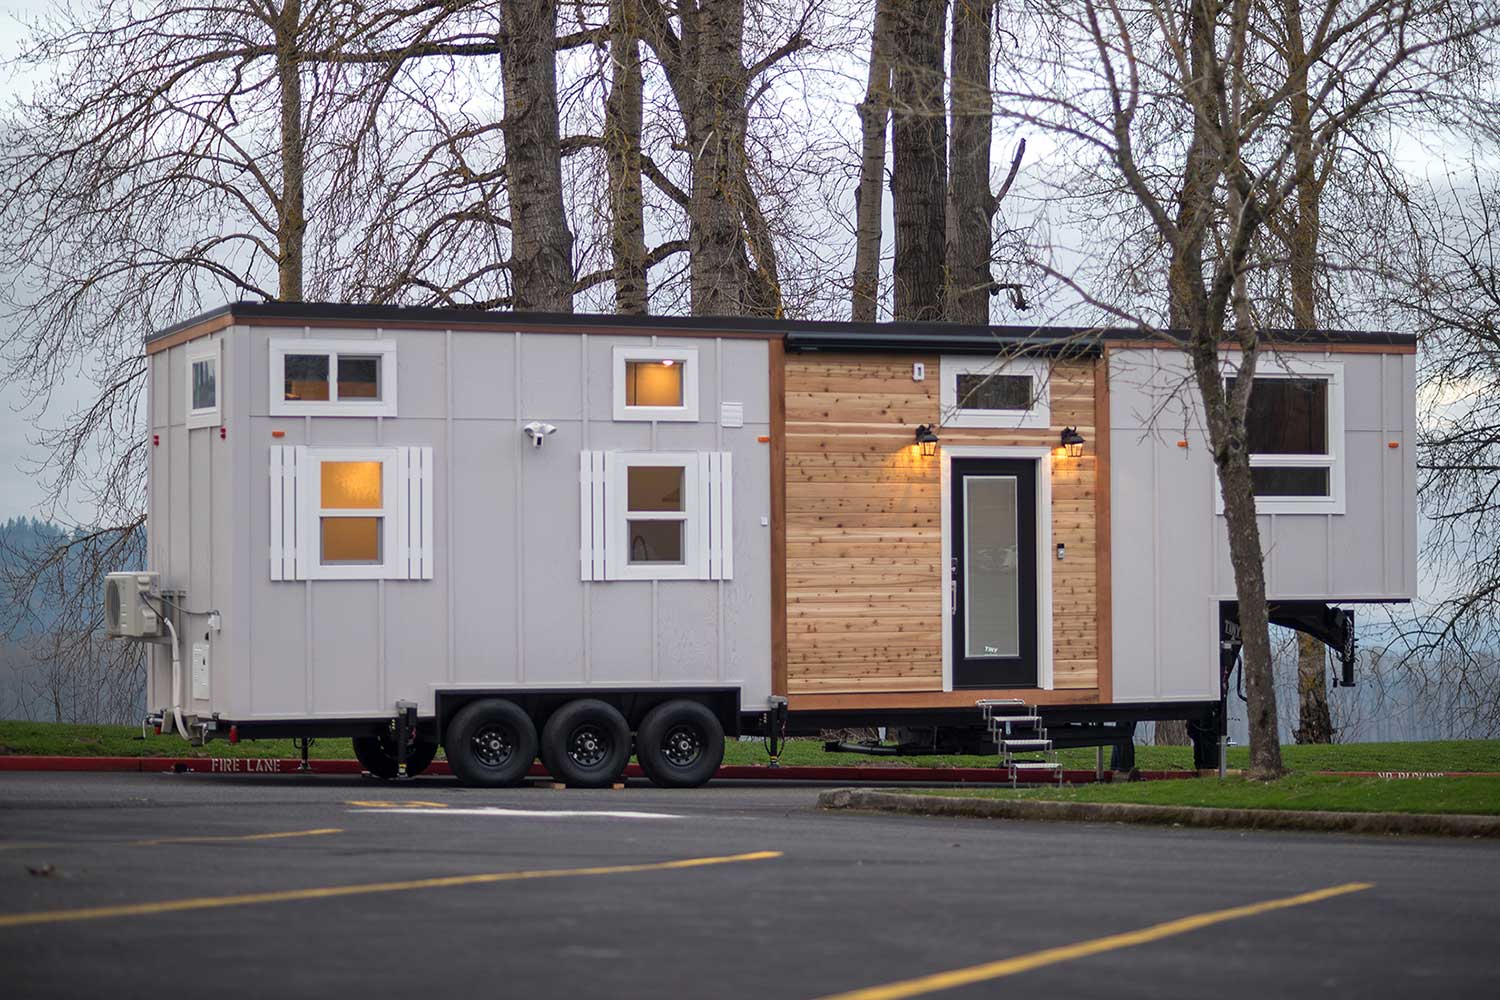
[
  {"x": 377, "y": 754},
  {"x": 586, "y": 744},
  {"x": 680, "y": 744},
  {"x": 491, "y": 743}
]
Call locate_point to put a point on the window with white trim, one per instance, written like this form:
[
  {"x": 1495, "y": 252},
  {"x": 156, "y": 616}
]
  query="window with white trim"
[
  {"x": 656, "y": 515},
  {"x": 203, "y": 386},
  {"x": 1295, "y": 432},
  {"x": 333, "y": 378},
  {"x": 351, "y": 513},
  {"x": 994, "y": 392},
  {"x": 655, "y": 383}
]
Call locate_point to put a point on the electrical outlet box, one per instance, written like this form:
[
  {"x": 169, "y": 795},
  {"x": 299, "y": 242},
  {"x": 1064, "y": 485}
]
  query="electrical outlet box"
[{"x": 918, "y": 371}]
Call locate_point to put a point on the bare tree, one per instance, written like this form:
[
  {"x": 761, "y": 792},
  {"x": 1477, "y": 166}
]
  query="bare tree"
[
  {"x": 874, "y": 117},
  {"x": 1117, "y": 68},
  {"x": 919, "y": 156}
]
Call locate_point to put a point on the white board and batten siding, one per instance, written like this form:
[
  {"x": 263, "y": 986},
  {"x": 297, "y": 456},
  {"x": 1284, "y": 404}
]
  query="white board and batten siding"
[
  {"x": 1170, "y": 559},
  {"x": 486, "y": 588}
]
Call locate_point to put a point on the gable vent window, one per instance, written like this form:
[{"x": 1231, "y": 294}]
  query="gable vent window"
[
  {"x": 351, "y": 513},
  {"x": 333, "y": 378},
  {"x": 1295, "y": 429},
  {"x": 989, "y": 392},
  {"x": 656, "y": 515}
]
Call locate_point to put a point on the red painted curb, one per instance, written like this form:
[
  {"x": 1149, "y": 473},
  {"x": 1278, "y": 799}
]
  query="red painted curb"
[{"x": 756, "y": 772}]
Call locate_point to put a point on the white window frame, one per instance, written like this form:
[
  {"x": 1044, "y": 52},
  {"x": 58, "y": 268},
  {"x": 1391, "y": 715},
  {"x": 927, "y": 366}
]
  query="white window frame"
[
  {"x": 617, "y": 466},
  {"x": 1038, "y": 417},
  {"x": 312, "y": 544},
  {"x": 207, "y": 416},
  {"x": 385, "y": 406},
  {"x": 707, "y": 515},
  {"x": 1334, "y": 503},
  {"x": 687, "y": 356}
]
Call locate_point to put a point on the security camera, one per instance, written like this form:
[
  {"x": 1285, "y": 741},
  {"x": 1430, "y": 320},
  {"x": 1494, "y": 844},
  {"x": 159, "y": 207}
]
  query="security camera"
[{"x": 537, "y": 431}]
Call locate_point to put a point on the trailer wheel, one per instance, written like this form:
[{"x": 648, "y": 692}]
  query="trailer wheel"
[
  {"x": 680, "y": 744},
  {"x": 491, "y": 743},
  {"x": 586, "y": 743},
  {"x": 377, "y": 754}
]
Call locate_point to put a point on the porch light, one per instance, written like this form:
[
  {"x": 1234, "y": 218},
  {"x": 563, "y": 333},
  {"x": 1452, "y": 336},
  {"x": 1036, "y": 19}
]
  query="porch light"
[
  {"x": 927, "y": 440},
  {"x": 1072, "y": 442}
]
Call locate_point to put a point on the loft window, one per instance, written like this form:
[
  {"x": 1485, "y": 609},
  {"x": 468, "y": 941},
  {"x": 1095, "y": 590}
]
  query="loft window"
[
  {"x": 986, "y": 392},
  {"x": 655, "y": 383},
  {"x": 203, "y": 386},
  {"x": 333, "y": 378},
  {"x": 1294, "y": 430},
  {"x": 657, "y": 515}
]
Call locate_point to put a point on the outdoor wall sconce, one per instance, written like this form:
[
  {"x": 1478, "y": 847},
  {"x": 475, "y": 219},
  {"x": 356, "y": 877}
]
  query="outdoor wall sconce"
[
  {"x": 1072, "y": 442},
  {"x": 927, "y": 440}
]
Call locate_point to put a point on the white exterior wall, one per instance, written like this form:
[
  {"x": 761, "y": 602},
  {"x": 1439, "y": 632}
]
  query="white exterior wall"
[
  {"x": 1170, "y": 560},
  {"x": 506, "y": 605}
]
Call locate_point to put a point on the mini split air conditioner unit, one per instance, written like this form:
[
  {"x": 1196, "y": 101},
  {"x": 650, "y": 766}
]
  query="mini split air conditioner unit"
[{"x": 127, "y": 615}]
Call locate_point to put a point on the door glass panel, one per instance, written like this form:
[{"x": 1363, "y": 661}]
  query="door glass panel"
[{"x": 992, "y": 567}]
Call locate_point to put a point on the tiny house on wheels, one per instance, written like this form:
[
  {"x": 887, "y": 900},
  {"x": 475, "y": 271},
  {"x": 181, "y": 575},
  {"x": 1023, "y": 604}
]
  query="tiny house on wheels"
[{"x": 578, "y": 537}]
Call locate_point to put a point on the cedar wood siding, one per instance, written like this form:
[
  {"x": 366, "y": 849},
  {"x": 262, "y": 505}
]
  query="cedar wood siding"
[{"x": 863, "y": 536}]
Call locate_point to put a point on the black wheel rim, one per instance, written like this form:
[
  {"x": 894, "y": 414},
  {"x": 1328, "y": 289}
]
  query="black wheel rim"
[
  {"x": 589, "y": 745},
  {"x": 682, "y": 745},
  {"x": 493, "y": 744}
]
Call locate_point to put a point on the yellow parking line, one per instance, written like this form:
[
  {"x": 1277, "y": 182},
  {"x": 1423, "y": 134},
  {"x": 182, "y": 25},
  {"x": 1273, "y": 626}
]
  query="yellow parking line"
[
  {"x": 1053, "y": 956},
  {"x": 229, "y": 840},
  {"x": 395, "y": 804},
  {"x": 336, "y": 891}
]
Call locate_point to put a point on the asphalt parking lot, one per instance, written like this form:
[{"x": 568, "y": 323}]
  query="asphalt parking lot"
[{"x": 142, "y": 884}]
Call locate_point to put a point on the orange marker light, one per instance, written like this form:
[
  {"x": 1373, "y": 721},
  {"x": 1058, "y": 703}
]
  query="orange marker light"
[
  {"x": 1182, "y": 444},
  {"x": 1393, "y": 444},
  {"x": 278, "y": 434},
  {"x": 764, "y": 439}
]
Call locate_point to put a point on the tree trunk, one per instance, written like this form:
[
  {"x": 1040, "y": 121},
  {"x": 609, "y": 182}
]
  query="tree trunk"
[
  {"x": 1171, "y": 733},
  {"x": 970, "y": 206},
  {"x": 541, "y": 265},
  {"x": 291, "y": 221},
  {"x": 622, "y": 150},
  {"x": 1315, "y": 725},
  {"x": 712, "y": 98},
  {"x": 1315, "y": 722},
  {"x": 919, "y": 148},
  {"x": 874, "y": 115}
]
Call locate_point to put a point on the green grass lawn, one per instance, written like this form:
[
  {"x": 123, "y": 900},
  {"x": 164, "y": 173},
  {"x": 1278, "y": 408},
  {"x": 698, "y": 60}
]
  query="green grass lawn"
[
  {"x": 1478, "y": 795},
  {"x": 48, "y": 738}
]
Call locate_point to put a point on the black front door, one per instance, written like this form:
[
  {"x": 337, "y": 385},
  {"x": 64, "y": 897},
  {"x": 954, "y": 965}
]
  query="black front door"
[{"x": 994, "y": 573}]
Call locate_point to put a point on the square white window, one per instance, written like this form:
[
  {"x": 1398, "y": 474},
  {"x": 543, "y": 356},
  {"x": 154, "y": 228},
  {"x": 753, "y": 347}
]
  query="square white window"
[
  {"x": 1295, "y": 430},
  {"x": 203, "y": 386},
  {"x": 994, "y": 392},
  {"x": 332, "y": 378},
  {"x": 656, "y": 383},
  {"x": 351, "y": 513},
  {"x": 656, "y": 515}
]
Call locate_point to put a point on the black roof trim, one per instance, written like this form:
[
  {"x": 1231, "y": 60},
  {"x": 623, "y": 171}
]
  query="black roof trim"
[{"x": 801, "y": 335}]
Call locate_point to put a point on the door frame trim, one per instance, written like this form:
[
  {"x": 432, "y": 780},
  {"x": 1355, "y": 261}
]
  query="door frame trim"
[{"x": 1042, "y": 455}]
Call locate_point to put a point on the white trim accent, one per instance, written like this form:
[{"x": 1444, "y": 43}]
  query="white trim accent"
[
  {"x": 687, "y": 356},
  {"x": 1042, "y": 455},
  {"x": 407, "y": 513},
  {"x": 1299, "y": 368},
  {"x": 385, "y": 406},
  {"x": 954, "y": 365},
  {"x": 208, "y": 416},
  {"x": 707, "y": 516}
]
